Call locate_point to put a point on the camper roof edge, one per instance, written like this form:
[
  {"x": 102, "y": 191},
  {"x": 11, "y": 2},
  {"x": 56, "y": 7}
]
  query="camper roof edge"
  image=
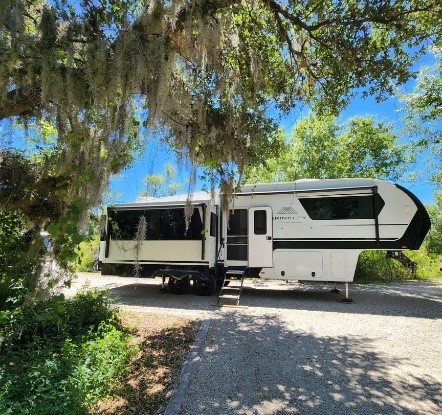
[{"x": 303, "y": 186}]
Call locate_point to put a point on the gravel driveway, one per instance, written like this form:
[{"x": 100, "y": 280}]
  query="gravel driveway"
[{"x": 293, "y": 348}]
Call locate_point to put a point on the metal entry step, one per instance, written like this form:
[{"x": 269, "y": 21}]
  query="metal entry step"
[{"x": 232, "y": 287}]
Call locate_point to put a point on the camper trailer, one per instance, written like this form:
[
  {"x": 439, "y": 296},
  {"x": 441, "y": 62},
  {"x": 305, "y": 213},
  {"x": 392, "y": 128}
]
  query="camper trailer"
[{"x": 306, "y": 230}]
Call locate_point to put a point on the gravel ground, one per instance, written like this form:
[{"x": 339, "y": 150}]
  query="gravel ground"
[{"x": 293, "y": 348}]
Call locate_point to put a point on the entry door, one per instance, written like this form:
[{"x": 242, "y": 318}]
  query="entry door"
[{"x": 260, "y": 237}]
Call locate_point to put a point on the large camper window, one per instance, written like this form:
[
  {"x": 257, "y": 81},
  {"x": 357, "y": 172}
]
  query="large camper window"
[
  {"x": 161, "y": 224},
  {"x": 347, "y": 207}
]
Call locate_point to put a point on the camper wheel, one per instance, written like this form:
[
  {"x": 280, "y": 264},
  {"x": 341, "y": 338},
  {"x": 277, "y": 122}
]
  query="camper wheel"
[
  {"x": 204, "y": 287},
  {"x": 177, "y": 286}
]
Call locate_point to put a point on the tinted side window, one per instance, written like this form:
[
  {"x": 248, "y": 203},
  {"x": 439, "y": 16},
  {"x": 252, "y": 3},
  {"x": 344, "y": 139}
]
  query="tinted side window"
[
  {"x": 213, "y": 224},
  {"x": 348, "y": 207},
  {"x": 124, "y": 224},
  {"x": 161, "y": 224},
  {"x": 260, "y": 222}
]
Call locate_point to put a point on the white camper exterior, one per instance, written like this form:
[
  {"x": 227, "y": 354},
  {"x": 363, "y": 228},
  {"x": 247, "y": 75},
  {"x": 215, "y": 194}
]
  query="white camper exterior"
[{"x": 310, "y": 230}]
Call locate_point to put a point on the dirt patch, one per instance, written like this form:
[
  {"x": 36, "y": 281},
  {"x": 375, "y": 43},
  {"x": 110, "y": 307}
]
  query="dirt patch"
[{"x": 164, "y": 342}]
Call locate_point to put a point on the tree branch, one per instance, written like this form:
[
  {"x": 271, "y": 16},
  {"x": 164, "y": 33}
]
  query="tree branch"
[{"x": 20, "y": 101}]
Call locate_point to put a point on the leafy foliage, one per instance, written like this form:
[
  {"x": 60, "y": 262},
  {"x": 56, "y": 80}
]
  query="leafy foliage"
[
  {"x": 54, "y": 317},
  {"x": 156, "y": 185},
  {"x": 423, "y": 116},
  {"x": 19, "y": 260},
  {"x": 373, "y": 266},
  {"x": 321, "y": 148},
  {"x": 87, "y": 253},
  {"x": 61, "y": 356},
  {"x": 433, "y": 241},
  {"x": 206, "y": 71}
]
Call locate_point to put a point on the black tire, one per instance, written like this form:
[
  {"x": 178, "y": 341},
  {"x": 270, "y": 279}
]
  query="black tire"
[
  {"x": 178, "y": 286},
  {"x": 204, "y": 288}
]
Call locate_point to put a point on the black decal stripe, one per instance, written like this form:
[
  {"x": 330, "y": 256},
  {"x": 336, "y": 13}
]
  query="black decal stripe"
[
  {"x": 130, "y": 261},
  {"x": 420, "y": 225},
  {"x": 330, "y": 239},
  {"x": 335, "y": 244}
]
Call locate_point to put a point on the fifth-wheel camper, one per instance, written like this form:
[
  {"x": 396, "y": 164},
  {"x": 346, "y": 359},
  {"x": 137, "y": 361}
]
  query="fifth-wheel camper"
[{"x": 306, "y": 230}]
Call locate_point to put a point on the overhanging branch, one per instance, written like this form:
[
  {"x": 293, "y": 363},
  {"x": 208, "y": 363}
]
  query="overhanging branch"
[{"x": 20, "y": 101}]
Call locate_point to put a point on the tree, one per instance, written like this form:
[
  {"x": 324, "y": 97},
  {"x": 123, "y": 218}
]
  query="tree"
[
  {"x": 434, "y": 239},
  {"x": 321, "y": 148},
  {"x": 423, "y": 115},
  {"x": 206, "y": 71},
  {"x": 156, "y": 185}
]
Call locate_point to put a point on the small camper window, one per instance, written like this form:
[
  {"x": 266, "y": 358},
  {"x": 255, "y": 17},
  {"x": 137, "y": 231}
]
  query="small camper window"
[
  {"x": 347, "y": 207},
  {"x": 213, "y": 224},
  {"x": 260, "y": 222}
]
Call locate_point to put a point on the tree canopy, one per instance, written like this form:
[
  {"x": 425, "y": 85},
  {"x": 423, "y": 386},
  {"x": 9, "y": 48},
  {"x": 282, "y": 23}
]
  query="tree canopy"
[
  {"x": 206, "y": 71},
  {"x": 423, "y": 116},
  {"x": 322, "y": 148}
]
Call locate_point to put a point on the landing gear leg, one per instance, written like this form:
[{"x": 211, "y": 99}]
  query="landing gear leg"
[
  {"x": 346, "y": 300},
  {"x": 334, "y": 290},
  {"x": 163, "y": 284}
]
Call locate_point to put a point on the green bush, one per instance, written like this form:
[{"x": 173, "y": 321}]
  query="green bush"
[
  {"x": 429, "y": 265},
  {"x": 433, "y": 241},
  {"x": 86, "y": 254},
  {"x": 19, "y": 260},
  {"x": 65, "y": 380},
  {"x": 98, "y": 365},
  {"x": 61, "y": 356},
  {"x": 373, "y": 266},
  {"x": 56, "y": 318}
]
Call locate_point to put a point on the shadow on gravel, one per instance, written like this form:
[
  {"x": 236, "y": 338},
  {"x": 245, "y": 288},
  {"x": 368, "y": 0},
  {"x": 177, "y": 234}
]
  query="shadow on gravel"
[
  {"x": 260, "y": 365},
  {"x": 386, "y": 300}
]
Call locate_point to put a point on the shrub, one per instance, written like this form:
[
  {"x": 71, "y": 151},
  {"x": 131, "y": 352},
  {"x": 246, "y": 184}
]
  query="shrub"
[
  {"x": 87, "y": 253},
  {"x": 373, "y": 266},
  {"x": 56, "y": 318},
  {"x": 433, "y": 241},
  {"x": 65, "y": 380},
  {"x": 429, "y": 265},
  {"x": 61, "y": 356},
  {"x": 87, "y": 310},
  {"x": 98, "y": 365},
  {"x": 19, "y": 260}
]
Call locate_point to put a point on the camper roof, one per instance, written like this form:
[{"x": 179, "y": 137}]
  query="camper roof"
[
  {"x": 304, "y": 185},
  {"x": 195, "y": 198},
  {"x": 309, "y": 185}
]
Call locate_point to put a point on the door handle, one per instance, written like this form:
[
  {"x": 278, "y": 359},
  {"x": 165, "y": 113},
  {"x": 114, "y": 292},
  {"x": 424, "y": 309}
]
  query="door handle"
[{"x": 269, "y": 238}]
